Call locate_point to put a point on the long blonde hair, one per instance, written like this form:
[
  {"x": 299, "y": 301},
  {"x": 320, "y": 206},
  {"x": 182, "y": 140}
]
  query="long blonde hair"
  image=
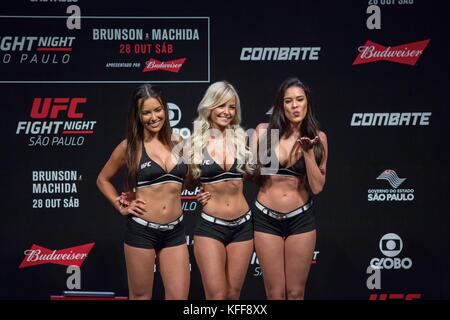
[{"x": 217, "y": 95}]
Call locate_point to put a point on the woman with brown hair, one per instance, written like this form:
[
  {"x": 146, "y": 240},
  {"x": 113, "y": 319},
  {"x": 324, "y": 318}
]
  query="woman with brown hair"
[
  {"x": 155, "y": 174},
  {"x": 284, "y": 223}
]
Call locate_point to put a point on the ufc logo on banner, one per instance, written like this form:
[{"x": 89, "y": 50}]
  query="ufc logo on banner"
[
  {"x": 51, "y": 107},
  {"x": 395, "y": 296}
]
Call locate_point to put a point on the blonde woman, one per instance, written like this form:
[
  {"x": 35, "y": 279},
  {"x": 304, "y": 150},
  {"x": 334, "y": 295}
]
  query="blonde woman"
[{"x": 223, "y": 238}]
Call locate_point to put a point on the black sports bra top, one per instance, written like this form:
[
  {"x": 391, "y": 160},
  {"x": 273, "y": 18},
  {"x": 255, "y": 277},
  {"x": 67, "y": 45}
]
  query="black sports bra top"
[
  {"x": 150, "y": 173},
  {"x": 213, "y": 173},
  {"x": 298, "y": 169}
]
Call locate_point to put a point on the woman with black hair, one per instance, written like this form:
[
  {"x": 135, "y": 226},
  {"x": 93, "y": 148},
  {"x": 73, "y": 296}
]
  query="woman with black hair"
[
  {"x": 284, "y": 224},
  {"x": 155, "y": 174}
]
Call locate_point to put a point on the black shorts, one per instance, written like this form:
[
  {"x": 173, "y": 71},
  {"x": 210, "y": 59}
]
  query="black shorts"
[
  {"x": 139, "y": 236},
  {"x": 301, "y": 223},
  {"x": 223, "y": 233}
]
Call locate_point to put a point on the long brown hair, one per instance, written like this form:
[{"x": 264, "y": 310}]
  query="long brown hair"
[
  {"x": 308, "y": 128},
  {"x": 135, "y": 129}
]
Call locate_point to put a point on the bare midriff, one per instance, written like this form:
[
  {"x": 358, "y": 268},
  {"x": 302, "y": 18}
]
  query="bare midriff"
[
  {"x": 163, "y": 202},
  {"x": 283, "y": 194},
  {"x": 227, "y": 200}
]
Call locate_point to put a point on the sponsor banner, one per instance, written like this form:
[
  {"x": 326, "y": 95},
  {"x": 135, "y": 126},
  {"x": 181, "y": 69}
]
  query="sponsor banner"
[
  {"x": 175, "y": 116},
  {"x": 390, "y": 3},
  {"x": 104, "y": 50},
  {"x": 390, "y": 119},
  {"x": 395, "y": 296},
  {"x": 55, "y": 189},
  {"x": 391, "y": 245},
  {"x": 280, "y": 53},
  {"x": 255, "y": 268},
  {"x": 57, "y": 122},
  {"x": 73, "y": 256},
  {"x": 395, "y": 194},
  {"x": 188, "y": 200},
  {"x": 408, "y": 53}
]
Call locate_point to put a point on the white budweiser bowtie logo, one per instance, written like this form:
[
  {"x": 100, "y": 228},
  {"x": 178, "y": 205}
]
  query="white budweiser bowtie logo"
[
  {"x": 407, "y": 53},
  {"x": 171, "y": 66},
  {"x": 73, "y": 256}
]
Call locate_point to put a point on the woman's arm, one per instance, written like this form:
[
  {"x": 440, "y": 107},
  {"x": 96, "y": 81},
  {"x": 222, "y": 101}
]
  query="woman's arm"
[
  {"x": 112, "y": 166},
  {"x": 316, "y": 173},
  {"x": 181, "y": 149},
  {"x": 261, "y": 129},
  {"x": 256, "y": 136}
]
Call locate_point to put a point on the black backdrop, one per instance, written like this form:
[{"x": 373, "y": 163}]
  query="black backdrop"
[{"x": 352, "y": 230}]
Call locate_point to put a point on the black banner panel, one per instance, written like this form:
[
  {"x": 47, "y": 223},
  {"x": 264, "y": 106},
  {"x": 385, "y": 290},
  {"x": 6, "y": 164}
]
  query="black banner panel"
[{"x": 379, "y": 77}]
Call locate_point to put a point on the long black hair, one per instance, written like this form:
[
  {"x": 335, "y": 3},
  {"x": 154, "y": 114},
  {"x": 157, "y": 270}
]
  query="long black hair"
[
  {"x": 135, "y": 129},
  {"x": 309, "y": 126}
]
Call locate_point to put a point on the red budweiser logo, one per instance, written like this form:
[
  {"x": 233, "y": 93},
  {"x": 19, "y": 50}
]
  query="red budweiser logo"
[
  {"x": 171, "y": 66},
  {"x": 405, "y": 53},
  {"x": 67, "y": 257}
]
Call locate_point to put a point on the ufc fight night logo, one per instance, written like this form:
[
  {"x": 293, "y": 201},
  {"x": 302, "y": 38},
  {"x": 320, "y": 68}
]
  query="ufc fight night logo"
[{"x": 57, "y": 122}]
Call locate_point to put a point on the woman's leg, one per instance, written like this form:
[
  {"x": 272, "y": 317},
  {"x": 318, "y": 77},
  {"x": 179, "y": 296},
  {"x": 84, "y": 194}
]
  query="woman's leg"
[
  {"x": 270, "y": 253},
  {"x": 174, "y": 268},
  {"x": 210, "y": 255},
  {"x": 299, "y": 250},
  {"x": 238, "y": 260},
  {"x": 140, "y": 267}
]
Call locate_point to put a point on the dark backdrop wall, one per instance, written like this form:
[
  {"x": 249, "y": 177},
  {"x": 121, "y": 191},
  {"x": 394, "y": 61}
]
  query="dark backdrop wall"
[{"x": 381, "y": 95}]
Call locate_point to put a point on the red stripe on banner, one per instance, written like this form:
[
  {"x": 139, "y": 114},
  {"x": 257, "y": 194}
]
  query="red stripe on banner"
[
  {"x": 86, "y": 298},
  {"x": 78, "y": 132},
  {"x": 188, "y": 197},
  {"x": 54, "y": 49}
]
